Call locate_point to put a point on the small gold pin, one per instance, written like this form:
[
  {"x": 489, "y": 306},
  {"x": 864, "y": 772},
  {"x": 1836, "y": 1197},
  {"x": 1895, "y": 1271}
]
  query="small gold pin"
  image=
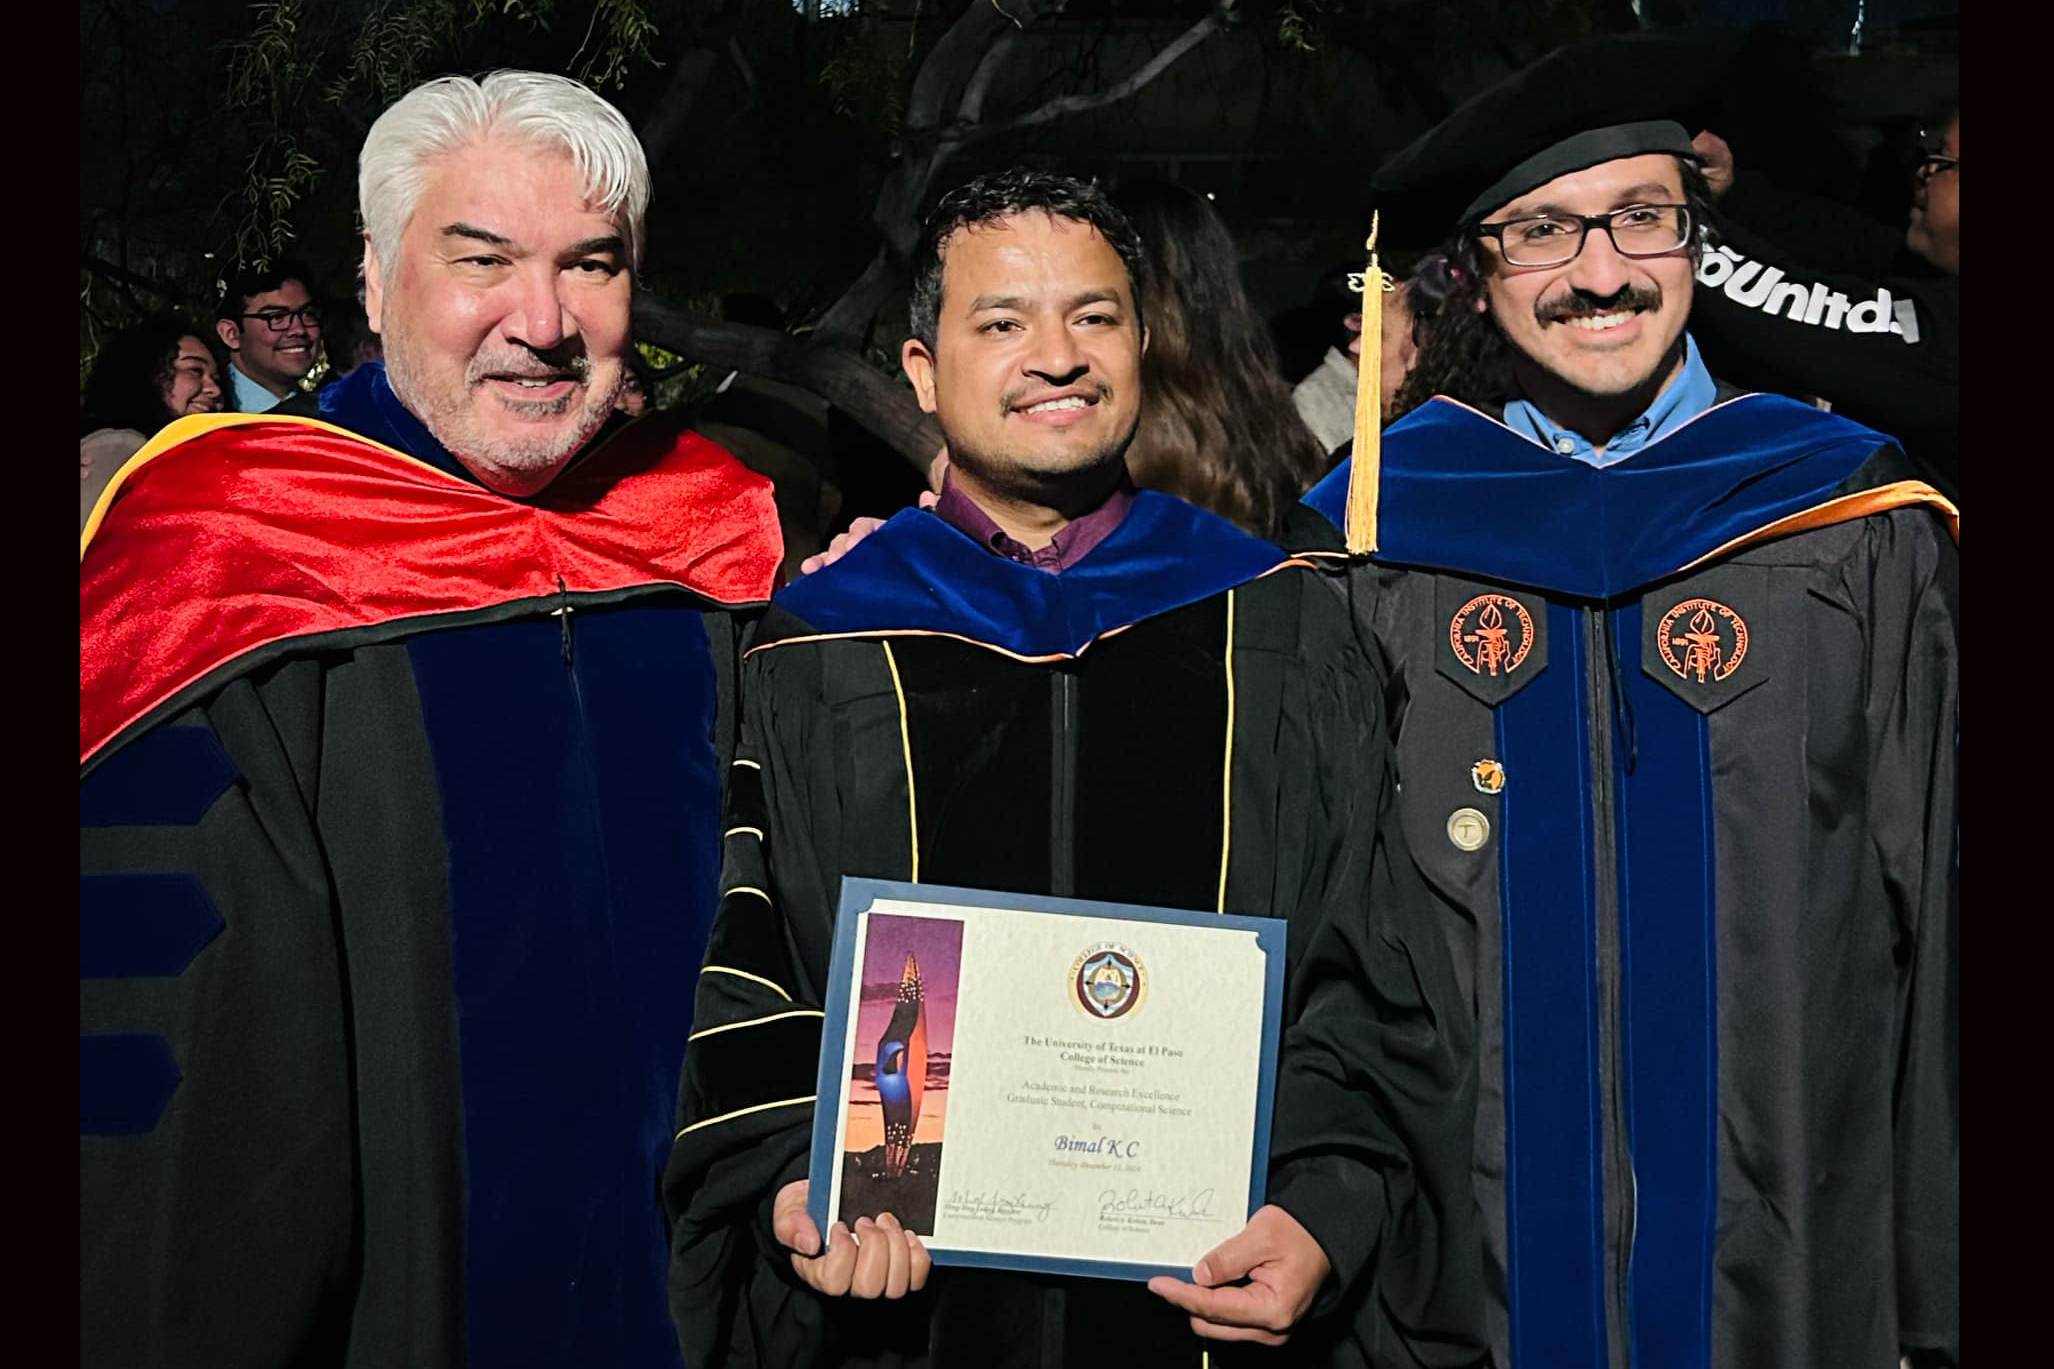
[{"x": 1488, "y": 776}]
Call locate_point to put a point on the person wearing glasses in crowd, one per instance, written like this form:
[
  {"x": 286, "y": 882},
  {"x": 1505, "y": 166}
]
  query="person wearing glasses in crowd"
[
  {"x": 1676, "y": 732},
  {"x": 272, "y": 329},
  {"x": 1818, "y": 299}
]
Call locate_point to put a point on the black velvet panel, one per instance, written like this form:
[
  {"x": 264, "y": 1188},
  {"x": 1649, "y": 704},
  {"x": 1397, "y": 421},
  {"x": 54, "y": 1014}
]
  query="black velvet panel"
[
  {"x": 982, "y": 736},
  {"x": 1153, "y": 734},
  {"x": 987, "y": 1319},
  {"x": 1095, "y": 778}
]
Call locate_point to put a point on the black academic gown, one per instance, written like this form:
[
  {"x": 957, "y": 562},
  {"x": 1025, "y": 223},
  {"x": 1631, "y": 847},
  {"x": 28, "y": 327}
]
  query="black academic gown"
[
  {"x": 1676, "y": 746},
  {"x": 397, "y": 825},
  {"x": 1180, "y": 719}
]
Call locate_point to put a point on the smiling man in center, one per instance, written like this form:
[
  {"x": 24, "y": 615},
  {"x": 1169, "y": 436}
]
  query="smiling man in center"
[{"x": 1054, "y": 684}]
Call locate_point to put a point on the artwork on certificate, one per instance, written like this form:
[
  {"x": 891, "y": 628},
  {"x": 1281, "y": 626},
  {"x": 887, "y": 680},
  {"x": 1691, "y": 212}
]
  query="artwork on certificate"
[{"x": 898, "y": 1081}]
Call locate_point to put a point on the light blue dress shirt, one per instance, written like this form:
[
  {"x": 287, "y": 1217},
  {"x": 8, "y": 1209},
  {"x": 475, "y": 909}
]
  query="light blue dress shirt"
[
  {"x": 1689, "y": 395},
  {"x": 249, "y": 397}
]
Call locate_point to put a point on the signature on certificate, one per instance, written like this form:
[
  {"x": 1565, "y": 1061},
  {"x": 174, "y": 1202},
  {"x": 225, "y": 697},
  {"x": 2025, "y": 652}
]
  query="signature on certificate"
[
  {"x": 1193, "y": 1206},
  {"x": 1000, "y": 1205}
]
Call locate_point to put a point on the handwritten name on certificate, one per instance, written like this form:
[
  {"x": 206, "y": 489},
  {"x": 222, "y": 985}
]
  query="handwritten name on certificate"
[{"x": 1047, "y": 1084}]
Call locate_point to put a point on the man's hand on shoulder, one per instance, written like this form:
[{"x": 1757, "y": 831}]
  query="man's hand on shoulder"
[
  {"x": 841, "y": 546},
  {"x": 879, "y": 1259},
  {"x": 1282, "y": 1266},
  {"x": 844, "y": 543}
]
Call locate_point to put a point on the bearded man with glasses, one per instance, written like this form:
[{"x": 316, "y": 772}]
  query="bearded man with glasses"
[{"x": 1675, "y": 701}]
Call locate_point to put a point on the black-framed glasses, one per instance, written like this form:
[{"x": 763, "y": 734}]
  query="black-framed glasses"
[
  {"x": 1638, "y": 230},
  {"x": 1931, "y": 164},
  {"x": 278, "y": 320}
]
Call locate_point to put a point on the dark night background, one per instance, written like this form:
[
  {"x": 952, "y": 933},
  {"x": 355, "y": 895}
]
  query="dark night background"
[{"x": 794, "y": 143}]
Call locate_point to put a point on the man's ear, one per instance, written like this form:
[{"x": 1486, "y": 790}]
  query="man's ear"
[
  {"x": 374, "y": 289},
  {"x": 918, "y": 363},
  {"x": 230, "y": 335}
]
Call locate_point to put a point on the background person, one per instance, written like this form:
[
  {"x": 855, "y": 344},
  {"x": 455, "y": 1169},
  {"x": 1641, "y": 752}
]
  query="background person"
[
  {"x": 1812, "y": 298},
  {"x": 347, "y": 340},
  {"x": 145, "y": 376},
  {"x": 1217, "y": 428},
  {"x": 271, "y": 327}
]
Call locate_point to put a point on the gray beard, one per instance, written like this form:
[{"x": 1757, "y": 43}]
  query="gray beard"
[{"x": 448, "y": 424}]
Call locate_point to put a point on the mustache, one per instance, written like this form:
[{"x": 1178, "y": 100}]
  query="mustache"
[
  {"x": 1012, "y": 397},
  {"x": 529, "y": 366},
  {"x": 1578, "y": 304}
]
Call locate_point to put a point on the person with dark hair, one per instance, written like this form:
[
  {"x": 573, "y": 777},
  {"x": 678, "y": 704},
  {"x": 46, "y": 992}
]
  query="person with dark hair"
[
  {"x": 1217, "y": 428},
  {"x": 145, "y": 376},
  {"x": 1325, "y": 397},
  {"x": 347, "y": 340},
  {"x": 1467, "y": 354},
  {"x": 901, "y": 709},
  {"x": 1818, "y": 299},
  {"x": 268, "y": 320},
  {"x": 1677, "y": 755}
]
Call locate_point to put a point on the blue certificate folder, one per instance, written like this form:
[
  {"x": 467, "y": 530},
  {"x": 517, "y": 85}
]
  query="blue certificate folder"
[{"x": 858, "y": 896}]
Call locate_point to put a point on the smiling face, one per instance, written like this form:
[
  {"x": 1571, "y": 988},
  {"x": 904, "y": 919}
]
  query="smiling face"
[
  {"x": 1602, "y": 326},
  {"x": 1035, "y": 372},
  {"x": 274, "y": 359},
  {"x": 194, "y": 386},
  {"x": 505, "y": 319}
]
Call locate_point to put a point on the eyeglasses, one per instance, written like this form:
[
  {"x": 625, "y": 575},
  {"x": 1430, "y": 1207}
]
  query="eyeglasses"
[
  {"x": 1932, "y": 164},
  {"x": 1639, "y": 230},
  {"x": 278, "y": 320}
]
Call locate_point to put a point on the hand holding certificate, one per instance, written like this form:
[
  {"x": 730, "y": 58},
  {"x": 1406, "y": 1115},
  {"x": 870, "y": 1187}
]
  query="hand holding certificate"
[
  {"x": 1045, "y": 1084},
  {"x": 879, "y": 1259}
]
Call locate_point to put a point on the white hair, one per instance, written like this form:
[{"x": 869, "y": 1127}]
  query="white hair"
[{"x": 432, "y": 120}]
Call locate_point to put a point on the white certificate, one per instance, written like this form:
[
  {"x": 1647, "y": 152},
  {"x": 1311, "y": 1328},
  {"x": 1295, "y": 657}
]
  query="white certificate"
[{"x": 1046, "y": 1084}]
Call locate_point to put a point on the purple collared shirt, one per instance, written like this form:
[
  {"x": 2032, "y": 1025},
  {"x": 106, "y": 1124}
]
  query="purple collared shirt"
[{"x": 1071, "y": 545}]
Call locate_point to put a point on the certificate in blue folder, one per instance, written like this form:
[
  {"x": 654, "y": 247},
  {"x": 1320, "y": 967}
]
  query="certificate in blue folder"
[{"x": 1046, "y": 1084}]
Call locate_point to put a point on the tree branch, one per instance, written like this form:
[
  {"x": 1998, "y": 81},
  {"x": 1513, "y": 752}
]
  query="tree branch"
[
  {"x": 968, "y": 39},
  {"x": 841, "y": 378},
  {"x": 748, "y": 73},
  {"x": 110, "y": 271},
  {"x": 970, "y": 109},
  {"x": 979, "y": 42},
  {"x": 1119, "y": 90},
  {"x": 667, "y": 119}
]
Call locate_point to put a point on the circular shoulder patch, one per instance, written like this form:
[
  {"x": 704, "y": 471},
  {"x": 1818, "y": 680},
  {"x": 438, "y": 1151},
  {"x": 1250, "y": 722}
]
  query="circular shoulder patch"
[
  {"x": 1702, "y": 640},
  {"x": 1491, "y": 634}
]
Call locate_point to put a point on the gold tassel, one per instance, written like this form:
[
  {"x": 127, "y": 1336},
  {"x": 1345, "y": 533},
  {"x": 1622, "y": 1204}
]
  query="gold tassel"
[{"x": 1365, "y": 459}]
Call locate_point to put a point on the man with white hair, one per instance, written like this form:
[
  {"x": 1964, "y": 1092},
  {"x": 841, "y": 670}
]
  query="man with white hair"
[{"x": 403, "y": 733}]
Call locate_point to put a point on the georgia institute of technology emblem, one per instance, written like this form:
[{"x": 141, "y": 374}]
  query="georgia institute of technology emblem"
[
  {"x": 1108, "y": 981},
  {"x": 1702, "y": 640},
  {"x": 1491, "y": 634}
]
